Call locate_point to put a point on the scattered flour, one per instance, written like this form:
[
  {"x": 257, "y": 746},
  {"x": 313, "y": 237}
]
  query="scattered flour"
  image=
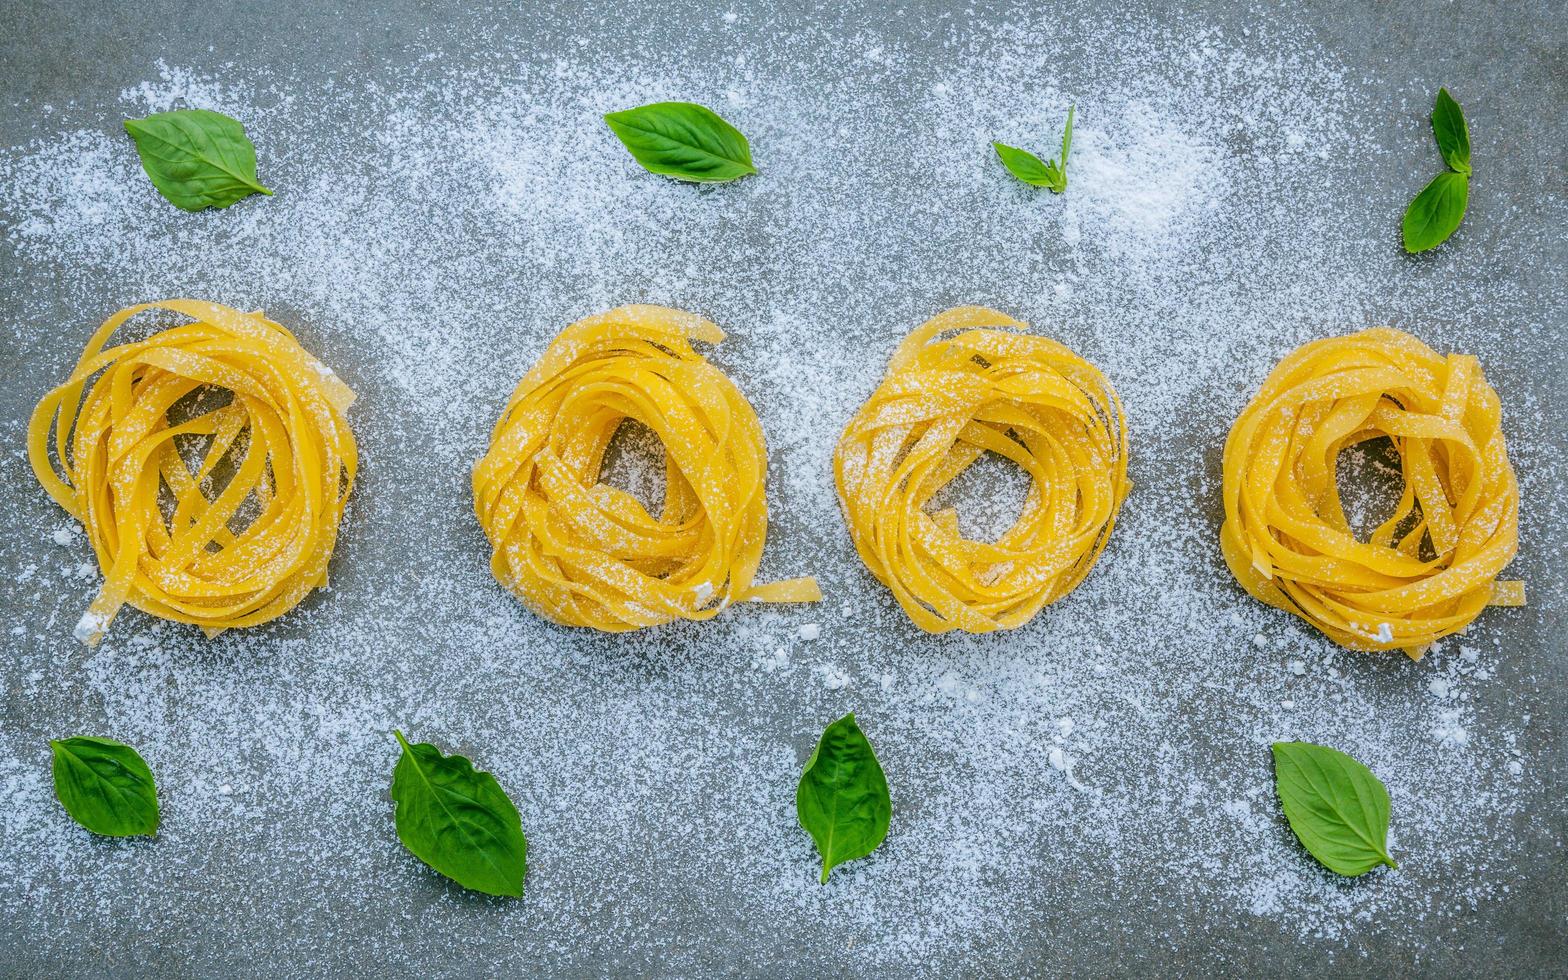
[{"x": 435, "y": 224}]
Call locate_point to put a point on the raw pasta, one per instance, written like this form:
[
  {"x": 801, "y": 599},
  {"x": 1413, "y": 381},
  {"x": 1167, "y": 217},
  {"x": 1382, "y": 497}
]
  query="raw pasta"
[
  {"x": 168, "y": 540},
  {"x": 1430, "y": 568},
  {"x": 581, "y": 553},
  {"x": 942, "y": 404}
]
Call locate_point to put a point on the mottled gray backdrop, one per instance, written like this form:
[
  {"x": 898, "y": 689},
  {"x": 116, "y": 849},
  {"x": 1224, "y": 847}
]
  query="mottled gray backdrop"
[{"x": 655, "y": 774}]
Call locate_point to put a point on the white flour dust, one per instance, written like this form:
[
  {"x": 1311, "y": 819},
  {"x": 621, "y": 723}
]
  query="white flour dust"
[{"x": 434, "y": 227}]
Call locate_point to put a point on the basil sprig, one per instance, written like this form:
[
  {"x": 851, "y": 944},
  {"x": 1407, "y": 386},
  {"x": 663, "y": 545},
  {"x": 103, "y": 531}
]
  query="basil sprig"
[
  {"x": 196, "y": 158},
  {"x": 1436, "y": 212},
  {"x": 458, "y": 820},
  {"x": 843, "y": 801},
  {"x": 1335, "y": 806},
  {"x": 1031, "y": 169},
  {"x": 683, "y": 140},
  {"x": 105, "y": 786}
]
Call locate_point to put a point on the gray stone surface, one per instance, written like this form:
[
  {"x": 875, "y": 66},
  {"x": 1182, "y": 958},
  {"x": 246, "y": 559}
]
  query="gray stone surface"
[{"x": 260, "y": 896}]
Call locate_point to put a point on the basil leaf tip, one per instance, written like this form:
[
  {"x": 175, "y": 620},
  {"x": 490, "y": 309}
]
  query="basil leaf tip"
[
  {"x": 105, "y": 786},
  {"x": 1335, "y": 806},
  {"x": 683, "y": 140},
  {"x": 1033, "y": 171},
  {"x": 458, "y": 820},
  {"x": 842, "y": 801},
  {"x": 1451, "y": 131},
  {"x": 196, "y": 158}
]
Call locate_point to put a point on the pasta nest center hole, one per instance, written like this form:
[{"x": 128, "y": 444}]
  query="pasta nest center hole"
[
  {"x": 635, "y": 463},
  {"x": 987, "y": 498},
  {"x": 1371, "y": 481}
]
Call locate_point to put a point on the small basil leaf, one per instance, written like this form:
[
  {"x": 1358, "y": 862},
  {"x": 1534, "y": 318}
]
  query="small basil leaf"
[
  {"x": 843, "y": 801},
  {"x": 458, "y": 820},
  {"x": 1025, "y": 165},
  {"x": 1436, "y": 212},
  {"x": 196, "y": 158},
  {"x": 1453, "y": 134},
  {"x": 683, "y": 140},
  {"x": 1031, "y": 169},
  {"x": 1067, "y": 144},
  {"x": 105, "y": 786},
  {"x": 1337, "y": 808}
]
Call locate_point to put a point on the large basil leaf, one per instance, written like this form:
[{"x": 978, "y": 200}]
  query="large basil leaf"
[
  {"x": 105, "y": 786},
  {"x": 1436, "y": 212},
  {"x": 843, "y": 801},
  {"x": 196, "y": 158},
  {"x": 458, "y": 820},
  {"x": 1453, "y": 134},
  {"x": 683, "y": 140},
  {"x": 1337, "y": 808}
]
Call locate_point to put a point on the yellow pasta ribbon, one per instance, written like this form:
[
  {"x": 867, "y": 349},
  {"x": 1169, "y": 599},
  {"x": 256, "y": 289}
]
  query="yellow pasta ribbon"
[
  {"x": 581, "y": 553},
  {"x": 168, "y": 540},
  {"x": 1428, "y": 570},
  {"x": 944, "y": 403}
]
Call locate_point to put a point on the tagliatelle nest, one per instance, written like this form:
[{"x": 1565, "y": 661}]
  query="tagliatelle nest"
[
  {"x": 1428, "y": 570},
  {"x": 582, "y": 553},
  {"x": 944, "y": 403},
  {"x": 169, "y": 541}
]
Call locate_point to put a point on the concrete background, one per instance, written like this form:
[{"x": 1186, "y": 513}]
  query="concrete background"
[{"x": 1513, "y": 61}]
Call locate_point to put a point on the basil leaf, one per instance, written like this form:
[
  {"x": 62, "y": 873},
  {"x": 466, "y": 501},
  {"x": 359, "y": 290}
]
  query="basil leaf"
[
  {"x": 1337, "y": 808},
  {"x": 458, "y": 820},
  {"x": 105, "y": 786},
  {"x": 196, "y": 158},
  {"x": 843, "y": 801},
  {"x": 1031, "y": 169},
  {"x": 1024, "y": 165},
  {"x": 1067, "y": 144},
  {"x": 683, "y": 140},
  {"x": 1436, "y": 212},
  {"x": 1453, "y": 134}
]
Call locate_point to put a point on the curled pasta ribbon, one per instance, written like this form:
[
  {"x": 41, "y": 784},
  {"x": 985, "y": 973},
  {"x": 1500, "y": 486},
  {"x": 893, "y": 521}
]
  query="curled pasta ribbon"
[
  {"x": 581, "y": 553},
  {"x": 169, "y": 540},
  {"x": 1429, "y": 569},
  {"x": 944, "y": 403}
]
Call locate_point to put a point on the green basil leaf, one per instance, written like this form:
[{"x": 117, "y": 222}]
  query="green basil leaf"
[
  {"x": 1337, "y": 808},
  {"x": 1025, "y": 165},
  {"x": 1031, "y": 169},
  {"x": 105, "y": 786},
  {"x": 196, "y": 158},
  {"x": 1453, "y": 134},
  {"x": 843, "y": 801},
  {"x": 1067, "y": 144},
  {"x": 1436, "y": 212},
  {"x": 458, "y": 820},
  {"x": 683, "y": 140}
]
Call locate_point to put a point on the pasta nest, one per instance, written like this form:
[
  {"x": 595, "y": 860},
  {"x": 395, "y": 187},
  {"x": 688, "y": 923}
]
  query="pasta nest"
[
  {"x": 142, "y": 452},
  {"x": 581, "y": 553},
  {"x": 941, "y": 405},
  {"x": 1428, "y": 570}
]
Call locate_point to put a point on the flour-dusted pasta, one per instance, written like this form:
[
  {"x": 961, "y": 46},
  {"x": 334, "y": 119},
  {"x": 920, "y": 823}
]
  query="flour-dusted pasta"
[
  {"x": 252, "y": 405},
  {"x": 1429, "y": 569},
  {"x": 581, "y": 553},
  {"x": 942, "y": 404}
]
